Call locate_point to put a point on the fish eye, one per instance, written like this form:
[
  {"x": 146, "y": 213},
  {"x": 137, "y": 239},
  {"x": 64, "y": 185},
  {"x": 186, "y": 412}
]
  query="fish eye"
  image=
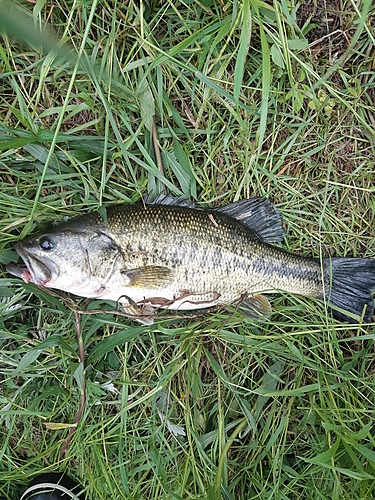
[{"x": 46, "y": 243}]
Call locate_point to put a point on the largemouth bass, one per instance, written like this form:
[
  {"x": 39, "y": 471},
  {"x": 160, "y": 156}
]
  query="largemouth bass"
[{"x": 171, "y": 255}]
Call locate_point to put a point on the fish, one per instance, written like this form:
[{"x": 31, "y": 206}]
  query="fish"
[{"x": 170, "y": 254}]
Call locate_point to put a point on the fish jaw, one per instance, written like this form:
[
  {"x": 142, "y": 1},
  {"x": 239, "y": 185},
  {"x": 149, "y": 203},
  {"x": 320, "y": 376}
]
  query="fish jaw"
[
  {"x": 20, "y": 272},
  {"x": 35, "y": 271},
  {"x": 30, "y": 274}
]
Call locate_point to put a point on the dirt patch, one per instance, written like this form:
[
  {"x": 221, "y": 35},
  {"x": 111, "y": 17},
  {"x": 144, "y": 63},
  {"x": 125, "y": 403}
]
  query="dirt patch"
[{"x": 327, "y": 27}]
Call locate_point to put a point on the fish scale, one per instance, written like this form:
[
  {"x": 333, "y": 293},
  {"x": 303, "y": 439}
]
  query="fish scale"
[{"x": 232, "y": 257}]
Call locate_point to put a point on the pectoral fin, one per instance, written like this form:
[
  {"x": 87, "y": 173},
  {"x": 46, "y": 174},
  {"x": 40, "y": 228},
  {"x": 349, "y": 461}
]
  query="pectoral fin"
[
  {"x": 255, "y": 306},
  {"x": 148, "y": 277}
]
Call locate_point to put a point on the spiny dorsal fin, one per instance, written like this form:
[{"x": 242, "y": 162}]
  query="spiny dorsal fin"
[
  {"x": 260, "y": 215},
  {"x": 169, "y": 199}
]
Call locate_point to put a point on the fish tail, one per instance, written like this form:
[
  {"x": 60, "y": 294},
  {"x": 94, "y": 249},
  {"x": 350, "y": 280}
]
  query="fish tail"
[{"x": 349, "y": 283}]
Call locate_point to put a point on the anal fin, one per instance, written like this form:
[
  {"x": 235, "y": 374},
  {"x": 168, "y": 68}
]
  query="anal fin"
[{"x": 255, "y": 306}]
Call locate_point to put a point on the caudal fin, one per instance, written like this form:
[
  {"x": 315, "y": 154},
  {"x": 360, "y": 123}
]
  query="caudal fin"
[{"x": 349, "y": 283}]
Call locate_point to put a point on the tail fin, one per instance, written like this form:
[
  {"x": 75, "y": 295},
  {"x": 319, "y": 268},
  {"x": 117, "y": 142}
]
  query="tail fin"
[{"x": 349, "y": 283}]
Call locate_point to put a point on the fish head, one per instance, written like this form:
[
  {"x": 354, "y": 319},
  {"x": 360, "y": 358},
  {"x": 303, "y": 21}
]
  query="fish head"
[{"x": 77, "y": 256}]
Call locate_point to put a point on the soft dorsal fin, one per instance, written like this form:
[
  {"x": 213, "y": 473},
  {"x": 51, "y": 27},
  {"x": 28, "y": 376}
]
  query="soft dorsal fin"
[{"x": 260, "y": 215}]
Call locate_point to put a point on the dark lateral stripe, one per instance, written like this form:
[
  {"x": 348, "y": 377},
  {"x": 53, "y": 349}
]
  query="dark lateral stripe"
[{"x": 271, "y": 267}]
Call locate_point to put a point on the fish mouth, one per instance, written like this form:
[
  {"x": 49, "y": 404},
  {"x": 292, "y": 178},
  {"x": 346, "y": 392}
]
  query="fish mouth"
[{"x": 34, "y": 271}]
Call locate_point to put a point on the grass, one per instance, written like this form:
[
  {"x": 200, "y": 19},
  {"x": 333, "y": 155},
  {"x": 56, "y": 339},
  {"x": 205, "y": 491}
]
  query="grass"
[{"x": 240, "y": 99}]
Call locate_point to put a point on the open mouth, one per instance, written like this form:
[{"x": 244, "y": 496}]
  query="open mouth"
[
  {"x": 19, "y": 271},
  {"x": 34, "y": 270}
]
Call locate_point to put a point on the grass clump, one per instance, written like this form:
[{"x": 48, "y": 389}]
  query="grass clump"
[{"x": 216, "y": 101}]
